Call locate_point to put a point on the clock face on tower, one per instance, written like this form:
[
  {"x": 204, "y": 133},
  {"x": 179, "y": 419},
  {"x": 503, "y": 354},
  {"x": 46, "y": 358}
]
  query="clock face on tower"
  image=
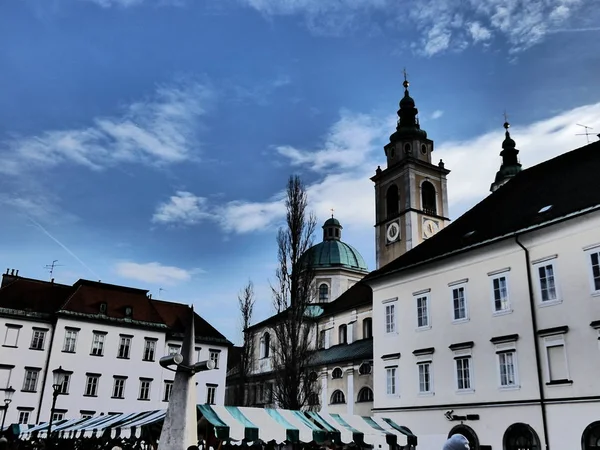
[
  {"x": 430, "y": 227},
  {"x": 392, "y": 232}
]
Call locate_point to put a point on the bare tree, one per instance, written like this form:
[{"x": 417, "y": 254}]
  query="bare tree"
[
  {"x": 292, "y": 295},
  {"x": 246, "y": 304}
]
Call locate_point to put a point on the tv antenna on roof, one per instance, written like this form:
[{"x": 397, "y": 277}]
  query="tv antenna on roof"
[
  {"x": 586, "y": 134},
  {"x": 50, "y": 267},
  {"x": 159, "y": 292}
]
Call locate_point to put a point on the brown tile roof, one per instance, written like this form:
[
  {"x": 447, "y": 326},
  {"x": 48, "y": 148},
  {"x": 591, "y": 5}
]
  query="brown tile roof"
[
  {"x": 29, "y": 295},
  {"x": 174, "y": 316},
  {"x": 359, "y": 294},
  {"x": 568, "y": 183},
  {"x": 89, "y": 295}
]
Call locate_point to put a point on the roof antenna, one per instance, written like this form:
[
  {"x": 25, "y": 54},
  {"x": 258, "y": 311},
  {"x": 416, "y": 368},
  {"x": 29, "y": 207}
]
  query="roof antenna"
[
  {"x": 50, "y": 267},
  {"x": 587, "y": 133},
  {"x": 159, "y": 292}
]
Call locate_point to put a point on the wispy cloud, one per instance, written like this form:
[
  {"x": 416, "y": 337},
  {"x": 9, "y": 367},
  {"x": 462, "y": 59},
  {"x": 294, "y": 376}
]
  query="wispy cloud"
[
  {"x": 441, "y": 25},
  {"x": 183, "y": 208},
  {"x": 348, "y": 189},
  {"x": 156, "y": 131},
  {"x": 437, "y": 114},
  {"x": 154, "y": 273}
]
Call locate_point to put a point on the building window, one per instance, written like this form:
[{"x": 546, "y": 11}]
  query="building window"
[
  {"x": 459, "y": 303},
  {"x": 30, "y": 380},
  {"x": 547, "y": 279},
  {"x": 391, "y": 201},
  {"x": 58, "y": 416},
  {"x": 91, "y": 385},
  {"x": 124, "y": 347},
  {"x": 145, "y": 385},
  {"x": 337, "y": 373},
  {"x": 265, "y": 345},
  {"x": 214, "y": 357},
  {"x": 149, "y": 349},
  {"x": 425, "y": 382},
  {"x": 11, "y": 337},
  {"x": 365, "y": 395},
  {"x": 23, "y": 417},
  {"x": 98, "y": 344},
  {"x": 343, "y": 334},
  {"x": 595, "y": 270},
  {"x": 269, "y": 388},
  {"x": 367, "y": 328},
  {"x": 423, "y": 312},
  {"x": 390, "y": 318},
  {"x": 5, "y": 372},
  {"x": 198, "y": 354},
  {"x": 87, "y": 414},
  {"x": 211, "y": 394},
  {"x": 390, "y": 373},
  {"x": 365, "y": 369},
  {"x": 70, "y": 341},
  {"x": 557, "y": 367},
  {"x": 463, "y": 373},
  {"x": 428, "y": 198},
  {"x": 338, "y": 397},
  {"x": 167, "y": 391},
  {"x": 323, "y": 292},
  {"x": 507, "y": 365},
  {"x": 500, "y": 294},
  {"x": 322, "y": 339},
  {"x": 37, "y": 339},
  {"x": 119, "y": 388},
  {"x": 174, "y": 349}
]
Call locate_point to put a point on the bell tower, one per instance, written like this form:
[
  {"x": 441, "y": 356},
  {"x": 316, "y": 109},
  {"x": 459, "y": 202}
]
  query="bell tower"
[{"x": 411, "y": 199}]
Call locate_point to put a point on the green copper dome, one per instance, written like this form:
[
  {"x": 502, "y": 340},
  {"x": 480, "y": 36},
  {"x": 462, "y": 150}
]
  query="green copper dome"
[
  {"x": 333, "y": 253},
  {"x": 337, "y": 254}
]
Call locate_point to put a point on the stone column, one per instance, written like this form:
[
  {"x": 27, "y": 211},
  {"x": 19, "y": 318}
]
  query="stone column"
[
  {"x": 324, "y": 393},
  {"x": 350, "y": 395}
]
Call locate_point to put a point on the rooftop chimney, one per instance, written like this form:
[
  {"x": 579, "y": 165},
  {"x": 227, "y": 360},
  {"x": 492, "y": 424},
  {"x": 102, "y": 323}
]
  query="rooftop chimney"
[
  {"x": 17, "y": 273},
  {"x": 12, "y": 272}
]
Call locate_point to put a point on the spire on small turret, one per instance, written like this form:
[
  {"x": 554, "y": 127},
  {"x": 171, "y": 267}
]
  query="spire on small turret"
[{"x": 510, "y": 161}]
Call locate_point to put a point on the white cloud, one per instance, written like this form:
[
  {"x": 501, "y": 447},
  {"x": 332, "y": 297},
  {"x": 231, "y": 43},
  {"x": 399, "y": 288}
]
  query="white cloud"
[
  {"x": 441, "y": 25},
  {"x": 158, "y": 130},
  {"x": 437, "y": 114},
  {"x": 154, "y": 273},
  {"x": 183, "y": 208}
]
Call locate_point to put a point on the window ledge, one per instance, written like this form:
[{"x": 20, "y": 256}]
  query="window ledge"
[
  {"x": 37, "y": 349},
  {"x": 465, "y": 391},
  {"x": 68, "y": 351},
  {"x": 509, "y": 388},
  {"x": 147, "y": 360},
  {"x": 144, "y": 399},
  {"x": 558, "y": 301},
  {"x": 28, "y": 392},
  {"x": 425, "y": 328},
  {"x": 118, "y": 398},
  {"x": 596, "y": 294},
  {"x": 10, "y": 346},
  {"x": 559, "y": 383},
  {"x": 502, "y": 312},
  {"x": 122, "y": 357},
  {"x": 458, "y": 321},
  {"x": 93, "y": 354},
  {"x": 426, "y": 394},
  {"x": 89, "y": 395}
]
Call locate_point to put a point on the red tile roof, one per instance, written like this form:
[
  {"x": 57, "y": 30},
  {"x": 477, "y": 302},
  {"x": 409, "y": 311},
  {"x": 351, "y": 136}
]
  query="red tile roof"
[{"x": 29, "y": 295}]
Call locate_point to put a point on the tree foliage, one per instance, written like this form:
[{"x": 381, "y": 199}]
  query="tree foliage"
[{"x": 246, "y": 304}]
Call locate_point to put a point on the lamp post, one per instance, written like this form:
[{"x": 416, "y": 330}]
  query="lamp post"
[
  {"x": 8, "y": 393},
  {"x": 57, "y": 387}
]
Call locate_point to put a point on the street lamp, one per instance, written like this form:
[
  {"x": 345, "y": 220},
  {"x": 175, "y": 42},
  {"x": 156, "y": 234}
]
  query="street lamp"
[
  {"x": 57, "y": 388},
  {"x": 8, "y": 393}
]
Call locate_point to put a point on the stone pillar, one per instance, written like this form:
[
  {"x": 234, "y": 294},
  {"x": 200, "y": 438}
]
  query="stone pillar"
[
  {"x": 350, "y": 395},
  {"x": 179, "y": 430},
  {"x": 324, "y": 393}
]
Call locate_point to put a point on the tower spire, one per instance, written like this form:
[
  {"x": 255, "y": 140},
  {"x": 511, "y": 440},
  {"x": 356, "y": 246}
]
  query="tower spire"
[
  {"x": 510, "y": 160},
  {"x": 408, "y": 122}
]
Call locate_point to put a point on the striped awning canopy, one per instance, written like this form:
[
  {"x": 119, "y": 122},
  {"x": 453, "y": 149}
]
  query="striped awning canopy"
[{"x": 239, "y": 424}]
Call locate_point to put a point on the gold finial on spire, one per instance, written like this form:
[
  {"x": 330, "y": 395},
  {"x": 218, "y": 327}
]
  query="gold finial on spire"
[
  {"x": 506, "y": 124},
  {"x": 406, "y": 83}
]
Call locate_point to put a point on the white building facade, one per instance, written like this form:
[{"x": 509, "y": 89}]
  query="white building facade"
[
  {"x": 110, "y": 352},
  {"x": 491, "y": 329}
]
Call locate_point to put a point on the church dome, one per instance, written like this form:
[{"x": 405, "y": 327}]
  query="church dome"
[{"x": 333, "y": 253}]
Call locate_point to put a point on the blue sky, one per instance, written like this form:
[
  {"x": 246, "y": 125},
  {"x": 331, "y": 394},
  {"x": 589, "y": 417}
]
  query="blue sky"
[{"x": 147, "y": 142}]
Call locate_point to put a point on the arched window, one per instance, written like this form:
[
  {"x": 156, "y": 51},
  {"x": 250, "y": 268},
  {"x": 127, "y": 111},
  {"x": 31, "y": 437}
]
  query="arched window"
[
  {"x": 428, "y": 201},
  {"x": 365, "y": 368},
  {"x": 520, "y": 436},
  {"x": 365, "y": 395},
  {"x": 265, "y": 345},
  {"x": 337, "y": 373},
  {"x": 338, "y": 397},
  {"x": 367, "y": 328},
  {"x": 407, "y": 148},
  {"x": 391, "y": 201},
  {"x": 467, "y": 432},
  {"x": 343, "y": 334},
  {"x": 323, "y": 292},
  {"x": 591, "y": 437}
]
